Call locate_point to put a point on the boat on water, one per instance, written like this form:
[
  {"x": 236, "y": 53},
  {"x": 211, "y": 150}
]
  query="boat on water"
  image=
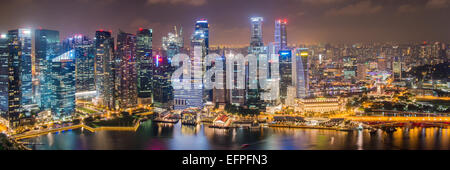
[
  {"x": 189, "y": 123},
  {"x": 166, "y": 118}
]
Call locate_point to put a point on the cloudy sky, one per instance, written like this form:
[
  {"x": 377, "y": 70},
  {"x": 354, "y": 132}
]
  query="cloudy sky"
[{"x": 310, "y": 21}]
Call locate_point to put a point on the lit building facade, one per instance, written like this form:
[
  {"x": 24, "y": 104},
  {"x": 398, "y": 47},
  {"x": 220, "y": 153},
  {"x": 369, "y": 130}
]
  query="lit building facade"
[
  {"x": 104, "y": 69},
  {"x": 63, "y": 85},
  {"x": 193, "y": 97},
  {"x": 84, "y": 59},
  {"x": 320, "y": 105},
  {"x": 23, "y": 37},
  {"x": 47, "y": 47},
  {"x": 285, "y": 65},
  {"x": 280, "y": 35},
  {"x": 256, "y": 48},
  {"x": 300, "y": 72},
  {"x": 126, "y": 51},
  {"x": 10, "y": 84},
  {"x": 144, "y": 61}
]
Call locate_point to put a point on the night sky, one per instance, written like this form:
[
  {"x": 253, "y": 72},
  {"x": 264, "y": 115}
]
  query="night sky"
[{"x": 310, "y": 21}]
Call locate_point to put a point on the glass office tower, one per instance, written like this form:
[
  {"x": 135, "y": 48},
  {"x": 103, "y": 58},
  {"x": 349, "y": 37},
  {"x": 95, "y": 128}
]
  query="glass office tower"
[{"x": 144, "y": 60}]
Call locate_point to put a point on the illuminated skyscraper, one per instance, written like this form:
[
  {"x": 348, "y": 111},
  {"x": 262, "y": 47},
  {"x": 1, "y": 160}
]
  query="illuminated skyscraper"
[
  {"x": 126, "y": 51},
  {"x": 300, "y": 72},
  {"x": 10, "y": 84},
  {"x": 285, "y": 66},
  {"x": 23, "y": 37},
  {"x": 280, "y": 35},
  {"x": 144, "y": 65},
  {"x": 84, "y": 59},
  {"x": 253, "y": 100},
  {"x": 104, "y": 69},
  {"x": 162, "y": 87},
  {"x": 173, "y": 43},
  {"x": 63, "y": 85},
  {"x": 397, "y": 68},
  {"x": 193, "y": 97},
  {"x": 46, "y": 48}
]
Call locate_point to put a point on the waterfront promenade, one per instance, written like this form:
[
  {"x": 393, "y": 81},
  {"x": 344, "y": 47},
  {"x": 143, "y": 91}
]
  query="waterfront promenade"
[{"x": 103, "y": 128}]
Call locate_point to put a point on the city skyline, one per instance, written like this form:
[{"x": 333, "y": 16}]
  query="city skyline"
[{"x": 309, "y": 21}]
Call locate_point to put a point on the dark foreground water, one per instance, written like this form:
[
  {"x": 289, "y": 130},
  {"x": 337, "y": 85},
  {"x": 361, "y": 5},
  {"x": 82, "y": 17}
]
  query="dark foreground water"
[{"x": 153, "y": 136}]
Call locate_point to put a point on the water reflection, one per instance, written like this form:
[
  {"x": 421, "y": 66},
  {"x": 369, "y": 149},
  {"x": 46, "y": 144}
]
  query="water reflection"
[{"x": 156, "y": 136}]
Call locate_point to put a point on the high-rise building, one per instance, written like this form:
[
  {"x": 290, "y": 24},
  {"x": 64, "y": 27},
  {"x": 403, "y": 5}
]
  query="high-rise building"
[
  {"x": 105, "y": 69},
  {"x": 300, "y": 72},
  {"x": 63, "y": 85},
  {"x": 173, "y": 43},
  {"x": 397, "y": 68},
  {"x": 193, "y": 97},
  {"x": 256, "y": 48},
  {"x": 256, "y": 39},
  {"x": 144, "y": 59},
  {"x": 200, "y": 37},
  {"x": 10, "y": 84},
  {"x": 46, "y": 48},
  {"x": 285, "y": 65},
  {"x": 162, "y": 92},
  {"x": 126, "y": 51},
  {"x": 84, "y": 59},
  {"x": 280, "y": 35},
  {"x": 23, "y": 37}
]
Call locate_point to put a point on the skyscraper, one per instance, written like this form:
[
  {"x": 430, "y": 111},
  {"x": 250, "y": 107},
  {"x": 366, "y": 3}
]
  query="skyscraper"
[
  {"x": 46, "y": 48},
  {"x": 397, "y": 68},
  {"x": 104, "y": 69},
  {"x": 256, "y": 48},
  {"x": 63, "y": 85},
  {"x": 173, "y": 43},
  {"x": 193, "y": 97},
  {"x": 144, "y": 61},
  {"x": 23, "y": 38},
  {"x": 84, "y": 61},
  {"x": 285, "y": 66},
  {"x": 10, "y": 84},
  {"x": 280, "y": 35},
  {"x": 162, "y": 87},
  {"x": 126, "y": 51},
  {"x": 300, "y": 71}
]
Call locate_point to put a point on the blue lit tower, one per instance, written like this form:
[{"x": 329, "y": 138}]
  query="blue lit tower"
[
  {"x": 126, "y": 52},
  {"x": 104, "y": 69},
  {"x": 63, "y": 85},
  {"x": 10, "y": 84},
  {"x": 46, "y": 48},
  {"x": 144, "y": 61}
]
